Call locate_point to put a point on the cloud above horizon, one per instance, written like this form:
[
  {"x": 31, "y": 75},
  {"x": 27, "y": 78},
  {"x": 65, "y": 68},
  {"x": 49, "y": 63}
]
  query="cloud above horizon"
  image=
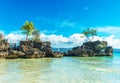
[
  {"x": 1, "y": 31},
  {"x": 111, "y": 30},
  {"x": 73, "y": 40},
  {"x": 66, "y": 23}
]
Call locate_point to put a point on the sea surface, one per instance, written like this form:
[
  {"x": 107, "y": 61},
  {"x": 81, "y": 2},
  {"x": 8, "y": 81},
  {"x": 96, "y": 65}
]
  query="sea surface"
[{"x": 61, "y": 70}]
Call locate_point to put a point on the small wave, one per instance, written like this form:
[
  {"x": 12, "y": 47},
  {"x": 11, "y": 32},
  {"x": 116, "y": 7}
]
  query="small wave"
[{"x": 95, "y": 68}]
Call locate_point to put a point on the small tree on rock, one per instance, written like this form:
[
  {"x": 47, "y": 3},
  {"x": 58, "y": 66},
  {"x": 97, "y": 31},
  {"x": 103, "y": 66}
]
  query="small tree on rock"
[
  {"x": 89, "y": 34},
  {"x": 28, "y": 28},
  {"x": 36, "y": 35}
]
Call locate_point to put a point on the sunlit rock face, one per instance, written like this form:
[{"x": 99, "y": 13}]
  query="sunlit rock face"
[
  {"x": 96, "y": 48},
  {"x": 32, "y": 49},
  {"x": 4, "y": 45}
]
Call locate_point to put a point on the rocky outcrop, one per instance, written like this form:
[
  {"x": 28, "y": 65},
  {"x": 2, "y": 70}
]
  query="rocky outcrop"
[
  {"x": 13, "y": 54},
  {"x": 58, "y": 54},
  {"x": 32, "y": 49},
  {"x": 37, "y": 49},
  {"x": 96, "y": 48},
  {"x": 109, "y": 51},
  {"x": 3, "y": 54},
  {"x": 4, "y": 45}
]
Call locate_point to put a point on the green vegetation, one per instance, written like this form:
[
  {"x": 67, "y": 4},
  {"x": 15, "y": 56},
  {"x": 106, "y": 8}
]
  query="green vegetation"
[
  {"x": 90, "y": 33},
  {"x": 36, "y": 35},
  {"x": 28, "y": 28}
]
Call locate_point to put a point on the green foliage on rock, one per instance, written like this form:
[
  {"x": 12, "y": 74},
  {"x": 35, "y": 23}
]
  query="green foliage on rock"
[
  {"x": 90, "y": 33},
  {"x": 36, "y": 35},
  {"x": 28, "y": 28}
]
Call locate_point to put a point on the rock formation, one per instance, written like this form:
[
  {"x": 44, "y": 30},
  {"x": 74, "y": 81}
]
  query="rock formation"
[
  {"x": 32, "y": 49},
  {"x": 96, "y": 48},
  {"x": 4, "y": 45}
]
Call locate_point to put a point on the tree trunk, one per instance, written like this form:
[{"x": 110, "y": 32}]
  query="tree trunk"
[
  {"x": 26, "y": 37},
  {"x": 90, "y": 39}
]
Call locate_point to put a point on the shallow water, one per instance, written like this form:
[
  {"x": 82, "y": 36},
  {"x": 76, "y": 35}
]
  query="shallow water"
[{"x": 61, "y": 70}]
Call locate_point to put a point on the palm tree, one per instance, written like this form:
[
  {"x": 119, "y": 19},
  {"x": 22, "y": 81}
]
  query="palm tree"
[
  {"x": 90, "y": 32},
  {"x": 27, "y": 28},
  {"x": 36, "y": 35}
]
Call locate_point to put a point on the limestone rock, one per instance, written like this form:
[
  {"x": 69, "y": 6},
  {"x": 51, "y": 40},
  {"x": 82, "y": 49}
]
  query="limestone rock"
[
  {"x": 109, "y": 51},
  {"x": 58, "y": 54},
  {"x": 3, "y": 54},
  {"x": 11, "y": 57},
  {"x": 96, "y": 48}
]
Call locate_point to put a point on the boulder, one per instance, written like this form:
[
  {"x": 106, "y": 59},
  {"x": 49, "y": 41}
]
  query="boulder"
[
  {"x": 36, "y": 51},
  {"x": 20, "y": 54},
  {"x": 96, "y": 48},
  {"x": 15, "y": 54},
  {"x": 3, "y": 54},
  {"x": 40, "y": 55},
  {"x": 27, "y": 49},
  {"x": 29, "y": 56},
  {"x": 49, "y": 54},
  {"x": 12, "y": 52},
  {"x": 2, "y": 47},
  {"x": 11, "y": 57},
  {"x": 58, "y": 54},
  {"x": 29, "y": 43},
  {"x": 44, "y": 46},
  {"x": 109, "y": 51}
]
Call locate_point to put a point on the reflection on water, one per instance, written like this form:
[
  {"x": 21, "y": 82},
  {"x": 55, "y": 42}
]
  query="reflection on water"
[{"x": 61, "y": 70}]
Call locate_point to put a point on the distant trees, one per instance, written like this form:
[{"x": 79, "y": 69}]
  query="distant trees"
[
  {"x": 28, "y": 28},
  {"x": 89, "y": 34}
]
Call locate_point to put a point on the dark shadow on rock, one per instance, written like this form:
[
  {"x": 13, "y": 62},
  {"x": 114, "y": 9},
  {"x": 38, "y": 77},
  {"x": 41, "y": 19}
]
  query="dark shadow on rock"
[{"x": 96, "y": 48}]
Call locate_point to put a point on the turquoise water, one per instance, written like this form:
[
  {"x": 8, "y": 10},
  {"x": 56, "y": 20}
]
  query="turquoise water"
[{"x": 61, "y": 70}]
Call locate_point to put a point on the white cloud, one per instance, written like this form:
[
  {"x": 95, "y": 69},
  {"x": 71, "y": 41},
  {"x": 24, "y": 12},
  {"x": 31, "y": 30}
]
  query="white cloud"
[
  {"x": 66, "y": 42},
  {"x": 75, "y": 40},
  {"x": 113, "y": 41},
  {"x": 14, "y": 38},
  {"x": 1, "y": 31},
  {"x": 56, "y": 39},
  {"x": 113, "y": 30},
  {"x": 57, "y": 22},
  {"x": 67, "y": 23},
  {"x": 61, "y": 41},
  {"x": 48, "y": 32}
]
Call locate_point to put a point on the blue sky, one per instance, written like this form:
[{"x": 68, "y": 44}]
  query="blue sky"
[{"x": 62, "y": 17}]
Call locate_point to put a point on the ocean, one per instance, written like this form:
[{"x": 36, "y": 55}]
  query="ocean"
[{"x": 62, "y": 70}]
